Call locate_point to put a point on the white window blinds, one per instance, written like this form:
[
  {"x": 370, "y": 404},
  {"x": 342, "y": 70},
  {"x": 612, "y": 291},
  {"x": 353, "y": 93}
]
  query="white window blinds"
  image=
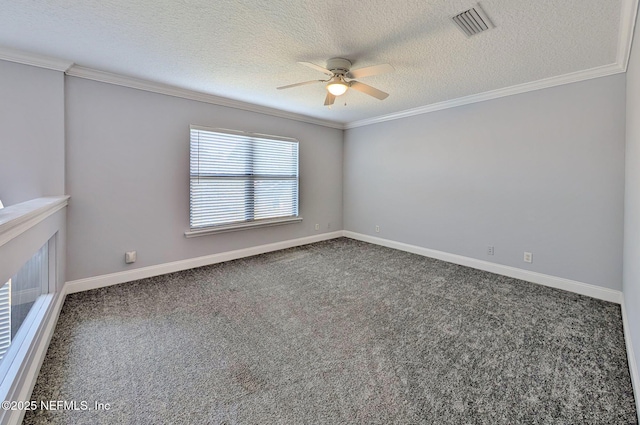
[
  {"x": 239, "y": 178},
  {"x": 5, "y": 315}
]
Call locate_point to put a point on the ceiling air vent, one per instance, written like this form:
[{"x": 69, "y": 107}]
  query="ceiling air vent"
[{"x": 473, "y": 21}]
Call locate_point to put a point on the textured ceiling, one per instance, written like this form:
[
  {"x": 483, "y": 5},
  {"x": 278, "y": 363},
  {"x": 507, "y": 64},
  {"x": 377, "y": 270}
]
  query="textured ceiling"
[{"x": 244, "y": 49}]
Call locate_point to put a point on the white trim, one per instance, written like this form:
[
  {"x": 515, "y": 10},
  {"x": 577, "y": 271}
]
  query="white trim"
[
  {"x": 629, "y": 9},
  {"x": 628, "y": 12},
  {"x": 150, "y": 271},
  {"x": 601, "y": 71},
  {"x": 241, "y": 226},
  {"x": 41, "y": 61},
  {"x": 106, "y": 77},
  {"x": 31, "y": 369},
  {"x": 589, "y": 290},
  {"x": 232, "y": 132},
  {"x": 631, "y": 358},
  {"x": 161, "y": 88},
  {"x": 24, "y": 373},
  {"x": 17, "y": 219}
]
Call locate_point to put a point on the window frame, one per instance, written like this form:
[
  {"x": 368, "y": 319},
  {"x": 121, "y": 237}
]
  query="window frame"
[{"x": 252, "y": 223}]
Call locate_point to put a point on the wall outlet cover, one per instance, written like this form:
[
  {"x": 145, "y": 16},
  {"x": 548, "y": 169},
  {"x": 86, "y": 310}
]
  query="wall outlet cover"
[{"x": 130, "y": 257}]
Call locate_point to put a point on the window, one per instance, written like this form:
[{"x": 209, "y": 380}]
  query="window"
[
  {"x": 241, "y": 180},
  {"x": 19, "y": 294}
]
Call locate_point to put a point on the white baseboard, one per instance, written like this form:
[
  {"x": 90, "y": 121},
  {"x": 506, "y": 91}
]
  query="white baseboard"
[
  {"x": 593, "y": 291},
  {"x": 160, "y": 269},
  {"x": 31, "y": 357},
  {"x": 631, "y": 358},
  {"x": 144, "y": 272},
  {"x": 589, "y": 290}
]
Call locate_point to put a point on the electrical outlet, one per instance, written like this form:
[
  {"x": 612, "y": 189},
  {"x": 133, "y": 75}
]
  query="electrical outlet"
[
  {"x": 130, "y": 257},
  {"x": 489, "y": 250},
  {"x": 528, "y": 257},
  {"x": 317, "y": 227},
  {"x": 328, "y": 225},
  {"x": 377, "y": 229}
]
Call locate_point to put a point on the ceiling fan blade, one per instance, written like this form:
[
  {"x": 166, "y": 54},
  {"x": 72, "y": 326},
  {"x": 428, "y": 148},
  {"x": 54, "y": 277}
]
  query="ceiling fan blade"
[
  {"x": 317, "y": 68},
  {"x": 299, "y": 84},
  {"x": 328, "y": 101},
  {"x": 367, "y": 89},
  {"x": 370, "y": 70}
]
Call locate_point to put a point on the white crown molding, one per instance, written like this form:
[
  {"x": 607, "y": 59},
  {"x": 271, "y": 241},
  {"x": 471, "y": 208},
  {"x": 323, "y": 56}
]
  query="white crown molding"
[
  {"x": 574, "y": 286},
  {"x": 628, "y": 13},
  {"x": 161, "y": 88},
  {"x": 601, "y": 71},
  {"x": 33, "y": 59}
]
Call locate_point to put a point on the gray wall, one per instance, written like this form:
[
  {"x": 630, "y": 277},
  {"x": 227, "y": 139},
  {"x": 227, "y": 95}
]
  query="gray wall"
[
  {"x": 128, "y": 177},
  {"x": 31, "y": 133},
  {"x": 541, "y": 172},
  {"x": 631, "y": 278}
]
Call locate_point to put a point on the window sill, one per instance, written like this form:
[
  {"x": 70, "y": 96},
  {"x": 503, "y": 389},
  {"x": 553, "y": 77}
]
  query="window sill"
[{"x": 240, "y": 226}]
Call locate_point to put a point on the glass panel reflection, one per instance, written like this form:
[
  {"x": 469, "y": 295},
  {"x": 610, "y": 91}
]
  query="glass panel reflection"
[{"x": 18, "y": 295}]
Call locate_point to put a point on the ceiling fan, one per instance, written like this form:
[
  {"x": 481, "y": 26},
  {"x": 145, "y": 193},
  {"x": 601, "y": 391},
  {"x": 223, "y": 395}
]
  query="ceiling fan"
[{"x": 341, "y": 78}]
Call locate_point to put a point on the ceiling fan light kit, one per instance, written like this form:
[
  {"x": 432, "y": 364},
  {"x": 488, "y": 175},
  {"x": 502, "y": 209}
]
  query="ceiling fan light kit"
[
  {"x": 339, "y": 69},
  {"x": 337, "y": 86}
]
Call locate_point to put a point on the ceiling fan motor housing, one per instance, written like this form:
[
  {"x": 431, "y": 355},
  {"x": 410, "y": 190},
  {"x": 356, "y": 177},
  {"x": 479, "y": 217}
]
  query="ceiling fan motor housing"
[{"x": 339, "y": 66}]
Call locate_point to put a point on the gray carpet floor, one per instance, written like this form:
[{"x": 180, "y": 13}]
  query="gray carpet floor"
[{"x": 337, "y": 332}]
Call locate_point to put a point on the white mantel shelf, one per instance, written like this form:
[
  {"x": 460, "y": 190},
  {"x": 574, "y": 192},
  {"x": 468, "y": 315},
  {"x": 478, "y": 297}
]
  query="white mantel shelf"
[{"x": 16, "y": 219}]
